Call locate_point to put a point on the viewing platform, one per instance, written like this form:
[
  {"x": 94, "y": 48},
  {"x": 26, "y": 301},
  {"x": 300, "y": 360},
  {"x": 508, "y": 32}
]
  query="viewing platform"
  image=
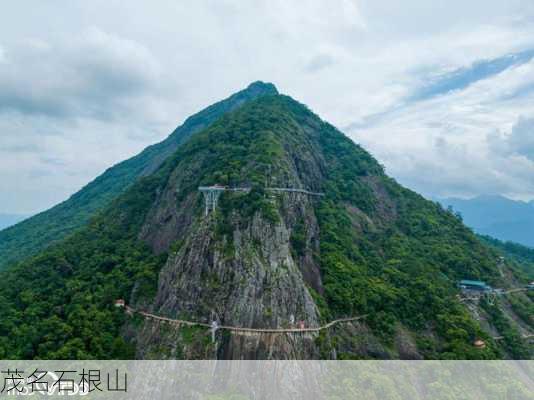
[{"x": 212, "y": 193}]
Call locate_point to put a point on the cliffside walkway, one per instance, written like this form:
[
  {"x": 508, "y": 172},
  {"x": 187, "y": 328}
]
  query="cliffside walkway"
[
  {"x": 212, "y": 193},
  {"x": 241, "y": 329},
  {"x": 515, "y": 290},
  {"x": 292, "y": 190},
  {"x": 527, "y": 336},
  {"x": 213, "y": 328}
]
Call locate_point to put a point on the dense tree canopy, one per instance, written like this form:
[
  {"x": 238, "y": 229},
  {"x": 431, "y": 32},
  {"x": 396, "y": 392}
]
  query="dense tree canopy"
[{"x": 384, "y": 250}]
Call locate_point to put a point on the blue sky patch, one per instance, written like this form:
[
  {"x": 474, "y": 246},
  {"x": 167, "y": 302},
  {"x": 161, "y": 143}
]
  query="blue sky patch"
[{"x": 463, "y": 77}]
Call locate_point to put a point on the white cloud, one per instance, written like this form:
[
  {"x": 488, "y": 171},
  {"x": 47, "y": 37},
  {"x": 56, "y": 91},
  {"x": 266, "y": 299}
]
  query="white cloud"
[
  {"x": 93, "y": 73},
  {"x": 519, "y": 142},
  {"x": 463, "y": 143},
  {"x": 90, "y": 83},
  {"x": 71, "y": 108}
]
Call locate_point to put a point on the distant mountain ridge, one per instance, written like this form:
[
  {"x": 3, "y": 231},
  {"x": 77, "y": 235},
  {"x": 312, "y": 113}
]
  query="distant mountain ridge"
[
  {"x": 41, "y": 230},
  {"x": 497, "y": 216}
]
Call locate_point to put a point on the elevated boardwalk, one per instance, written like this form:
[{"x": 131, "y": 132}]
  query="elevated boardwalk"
[
  {"x": 212, "y": 193},
  {"x": 178, "y": 322},
  {"x": 527, "y": 336},
  {"x": 214, "y": 327},
  {"x": 293, "y": 190}
]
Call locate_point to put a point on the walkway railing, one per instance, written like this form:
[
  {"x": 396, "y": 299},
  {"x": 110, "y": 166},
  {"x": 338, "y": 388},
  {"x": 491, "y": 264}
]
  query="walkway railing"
[{"x": 242, "y": 329}]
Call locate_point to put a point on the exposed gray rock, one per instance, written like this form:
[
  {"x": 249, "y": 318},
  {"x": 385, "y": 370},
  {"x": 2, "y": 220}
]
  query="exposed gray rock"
[{"x": 260, "y": 285}]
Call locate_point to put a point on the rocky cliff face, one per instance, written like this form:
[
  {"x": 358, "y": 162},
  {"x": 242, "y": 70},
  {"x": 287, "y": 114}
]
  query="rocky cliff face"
[
  {"x": 239, "y": 269},
  {"x": 248, "y": 278}
]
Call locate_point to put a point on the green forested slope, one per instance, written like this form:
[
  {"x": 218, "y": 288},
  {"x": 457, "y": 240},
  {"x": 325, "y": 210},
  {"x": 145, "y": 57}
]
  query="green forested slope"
[
  {"x": 384, "y": 250},
  {"x": 522, "y": 255},
  {"x": 39, "y": 231}
]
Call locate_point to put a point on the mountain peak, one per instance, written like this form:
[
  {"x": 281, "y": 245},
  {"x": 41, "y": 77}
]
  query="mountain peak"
[
  {"x": 260, "y": 87},
  {"x": 263, "y": 253},
  {"x": 76, "y": 211}
]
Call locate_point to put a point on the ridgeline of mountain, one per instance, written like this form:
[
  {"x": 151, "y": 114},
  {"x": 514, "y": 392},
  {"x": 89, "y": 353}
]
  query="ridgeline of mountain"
[
  {"x": 39, "y": 231},
  {"x": 7, "y": 220},
  {"x": 498, "y": 217},
  {"x": 261, "y": 259}
]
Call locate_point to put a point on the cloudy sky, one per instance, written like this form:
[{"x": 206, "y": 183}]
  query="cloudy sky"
[{"x": 441, "y": 92}]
